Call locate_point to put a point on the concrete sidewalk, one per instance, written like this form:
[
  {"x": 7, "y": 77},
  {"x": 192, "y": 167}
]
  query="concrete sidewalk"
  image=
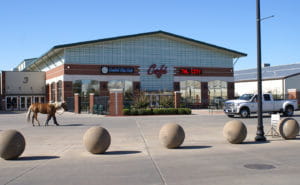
[{"x": 56, "y": 155}]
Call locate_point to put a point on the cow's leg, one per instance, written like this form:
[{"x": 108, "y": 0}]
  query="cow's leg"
[
  {"x": 48, "y": 119},
  {"x": 35, "y": 115},
  {"x": 54, "y": 120}
]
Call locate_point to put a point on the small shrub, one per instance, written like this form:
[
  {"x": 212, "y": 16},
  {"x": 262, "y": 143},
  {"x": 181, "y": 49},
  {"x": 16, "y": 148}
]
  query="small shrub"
[
  {"x": 166, "y": 101},
  {"x": 156, "y": 111},
  {"x": 161, "y": 111},
  {"x": 134, "y": 112},
  {"x": 148, "y": 111},
  {"x": 184, "y": 111},
  {"x": 173, "y": 111},
  {"x": 141, "y": 101},
  {"x": 126, "y": 112}
]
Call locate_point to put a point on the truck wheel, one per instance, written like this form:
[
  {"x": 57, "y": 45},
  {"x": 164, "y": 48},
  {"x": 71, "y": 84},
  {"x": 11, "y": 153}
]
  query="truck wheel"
[
  {"x": 289, "y": 111},
  {"x": 244, "y": 113}
]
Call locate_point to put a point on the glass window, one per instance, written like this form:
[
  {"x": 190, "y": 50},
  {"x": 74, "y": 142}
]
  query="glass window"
[
  {"x": 59, "y": 91},
  {"x": 85, "y": 87},
  {"x": 267, "y": 97},
  {"x": 77, "y": 86},
  {"x": 36, "y": 99},
  {"x": 191, "y": 91},
  {"x": 217, "y": 91},
  {"x": 53, "y": 92},
  {"x": 125, "y": 85},
  {"x": 42, "y": 99}
]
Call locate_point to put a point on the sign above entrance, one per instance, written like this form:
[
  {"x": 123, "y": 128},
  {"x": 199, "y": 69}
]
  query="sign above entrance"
[
  {"x": 117, "y": 70},
  {"x": 190, "y": 71},
  {"x": 158, "y": 71}
]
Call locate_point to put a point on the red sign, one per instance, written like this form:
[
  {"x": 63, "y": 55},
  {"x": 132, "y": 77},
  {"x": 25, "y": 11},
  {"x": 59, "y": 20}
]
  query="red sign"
[
  {"x": 190, "y": 71},
  {"x": 157, "y": 71}
]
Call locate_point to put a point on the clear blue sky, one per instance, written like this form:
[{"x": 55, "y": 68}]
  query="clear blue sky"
[{"x": 30, "y": 28}]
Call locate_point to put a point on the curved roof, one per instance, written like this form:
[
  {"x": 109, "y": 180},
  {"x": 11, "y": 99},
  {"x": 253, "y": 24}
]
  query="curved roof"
[{"x": 272, "y": 72}]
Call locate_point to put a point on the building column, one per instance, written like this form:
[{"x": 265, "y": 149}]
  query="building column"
[
  {"x": 136, "y": 88},
  {"x": 50, "y": 93},
  {"x": 56, "y": 91},
  {"x": 2, "y": 99},
  {"x": 204, "y": 94},
  {"x": 177, "y": 98},
  {"x": 47, "y": 93},
  {"x": 104, "y": 88},
  {"x": 76, "y": 103},
  {"x": 116, "y": 103},
  {"x": 92, "y": 102},
  {"x": 176, "y": 86},
  {"x": 230, "y": 90},
  {"x": 67, "y": 89}
]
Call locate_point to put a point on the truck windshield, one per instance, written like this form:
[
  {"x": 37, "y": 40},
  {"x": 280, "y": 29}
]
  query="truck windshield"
[{"x": 246, "y": 96}]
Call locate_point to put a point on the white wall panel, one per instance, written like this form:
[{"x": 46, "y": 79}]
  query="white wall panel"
[
  {"x": 25, "y": 82},
  {"x": 145, "y": 51},
  {"x": 293, "y": 83},
  {"x": 274, "y": 86}
]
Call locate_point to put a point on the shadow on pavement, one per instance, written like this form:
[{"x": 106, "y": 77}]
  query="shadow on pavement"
[
  {"x": 255, "y": 142},
  {"x": 193, "y": 147},
  {"x": 35, "y": 158},
  {"x": 121, "y": 152},
  {"x": 72, "y": 125},
  {"x": 12, "y": 112}
]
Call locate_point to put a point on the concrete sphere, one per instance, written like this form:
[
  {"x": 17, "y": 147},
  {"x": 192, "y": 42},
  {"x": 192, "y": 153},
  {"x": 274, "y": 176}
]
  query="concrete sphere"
[
  {"x": 12, "y": 144},
  {"x": 171, "y": 135},
  {"x": 96, "y": 140},
  {"x": 288, "y": 128},
  {"x": 235, "y": 131}
]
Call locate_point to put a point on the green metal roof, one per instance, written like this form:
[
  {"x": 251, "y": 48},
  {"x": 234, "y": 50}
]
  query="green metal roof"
[
  {"x": 145, "y": 34},
  {"x": 232, "y": 52}
]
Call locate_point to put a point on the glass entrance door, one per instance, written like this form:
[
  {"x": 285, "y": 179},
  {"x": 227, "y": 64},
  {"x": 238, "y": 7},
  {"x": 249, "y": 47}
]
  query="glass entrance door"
[
  {"x": 23, "y": 103},
  {"x": 11, "y": 103},
  {"x": 28, "y": 101}
]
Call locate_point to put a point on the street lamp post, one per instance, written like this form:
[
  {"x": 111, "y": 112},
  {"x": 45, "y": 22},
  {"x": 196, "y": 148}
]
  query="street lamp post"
[{"x": 260, "y": 135}]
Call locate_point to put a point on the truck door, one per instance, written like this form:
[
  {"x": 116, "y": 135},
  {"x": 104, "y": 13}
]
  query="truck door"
[
  {"x": 253, "y": 104},
  {"x": 267, "y": 103}
]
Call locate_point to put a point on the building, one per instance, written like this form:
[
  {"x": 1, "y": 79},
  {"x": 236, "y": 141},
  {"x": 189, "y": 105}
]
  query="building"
[
  {"x": 20, "y": 89},
  {"x": 280, "y": 80},
  {"x": 155, "y": 62}
]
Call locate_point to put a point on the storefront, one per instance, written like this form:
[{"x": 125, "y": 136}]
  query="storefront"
[
  {"x": 20, "y": 89},
  {"x": 156, "y": 62}
]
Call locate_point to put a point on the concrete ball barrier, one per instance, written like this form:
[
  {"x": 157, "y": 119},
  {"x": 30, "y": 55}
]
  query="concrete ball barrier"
[
  {"x": 171, "y": 135},
  {"x": 96, "y": 140},
  {"x": 288, "y": 128},
  {"x": 235, "y": 131},
  {"x": 12, "y": 144}
]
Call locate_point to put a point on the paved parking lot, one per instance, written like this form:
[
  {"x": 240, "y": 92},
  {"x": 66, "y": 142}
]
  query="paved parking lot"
[{"x": 56, "y": 155}]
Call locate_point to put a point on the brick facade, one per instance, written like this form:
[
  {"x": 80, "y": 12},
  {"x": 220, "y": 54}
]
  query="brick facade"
[
  {"x": 116, "y": 103},
  {"x": 92, "y": 102},
  {"x": 294, "y": 94},
  {"x": 177, "y": 98},
  {"x": 104, "y": 88},
  {"x": 230, "y": 90},
  {"x": 76, "y": 103}
]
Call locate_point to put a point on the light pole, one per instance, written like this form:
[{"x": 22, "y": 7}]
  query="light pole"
[{"x": 260, "y": 134}]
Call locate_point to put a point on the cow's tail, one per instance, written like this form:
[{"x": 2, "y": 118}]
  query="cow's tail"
[{"x": 28, "y": 114}]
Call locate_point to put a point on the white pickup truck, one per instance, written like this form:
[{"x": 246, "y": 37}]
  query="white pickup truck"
[{"x": 247, "y": 104}]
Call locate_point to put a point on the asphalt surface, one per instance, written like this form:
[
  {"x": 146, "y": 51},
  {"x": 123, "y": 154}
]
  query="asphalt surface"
[{"x": 56, "y": 154}]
